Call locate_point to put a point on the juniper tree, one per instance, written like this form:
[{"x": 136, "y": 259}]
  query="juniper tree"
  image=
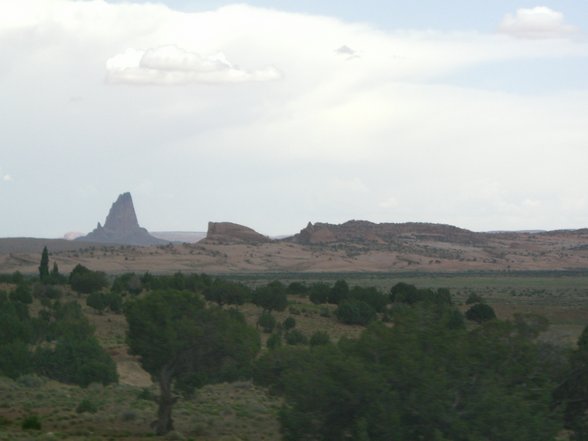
[
  {"x": 183, "y": 344},
  {"x": 44, "y": 266}
]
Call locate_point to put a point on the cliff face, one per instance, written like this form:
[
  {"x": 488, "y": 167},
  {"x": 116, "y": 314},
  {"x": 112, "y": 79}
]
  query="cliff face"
[
  {"x": 122, "y": 227},
  {"x": 228, "y": 232}
]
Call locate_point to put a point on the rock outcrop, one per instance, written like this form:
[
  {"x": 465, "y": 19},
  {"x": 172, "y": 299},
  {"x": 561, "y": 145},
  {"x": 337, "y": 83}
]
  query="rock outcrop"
[
  {"x": 365, "y": 232},
  {"x": 122, "y": 227},
  {"x": 227, "y": 232}
]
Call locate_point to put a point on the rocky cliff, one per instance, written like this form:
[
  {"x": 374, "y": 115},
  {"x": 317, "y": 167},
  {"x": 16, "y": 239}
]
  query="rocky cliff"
[
  {"x": 122, "y": 226},
  {"x": 227, "y": 232}
]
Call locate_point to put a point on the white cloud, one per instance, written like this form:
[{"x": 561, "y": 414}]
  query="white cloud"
[
  {"x": 7, "y": 178},
  {"x": 172, "y": 65},
  {"x": 536, "y": 23}
]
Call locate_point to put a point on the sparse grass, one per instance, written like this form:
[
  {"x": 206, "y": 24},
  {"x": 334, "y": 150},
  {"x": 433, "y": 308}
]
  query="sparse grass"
[
  {"x": 561, "y": 298},
  {"x": 215, "y": 411}
]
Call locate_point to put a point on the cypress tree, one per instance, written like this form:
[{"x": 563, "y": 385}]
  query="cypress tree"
[{"x": 44, "y": 266}]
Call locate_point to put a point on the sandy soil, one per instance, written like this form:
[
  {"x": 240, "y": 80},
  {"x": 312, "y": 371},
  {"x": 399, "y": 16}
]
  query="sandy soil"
[{"x": 501, "y": 252}]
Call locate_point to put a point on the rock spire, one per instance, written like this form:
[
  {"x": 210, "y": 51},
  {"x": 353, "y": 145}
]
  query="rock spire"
[{"x": 121, "y": 226}]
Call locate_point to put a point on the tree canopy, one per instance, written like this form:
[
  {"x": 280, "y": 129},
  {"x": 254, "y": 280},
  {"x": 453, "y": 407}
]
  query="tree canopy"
[
  {"x": 422, "y": 378},
  {"x": 185, "y": 344}
]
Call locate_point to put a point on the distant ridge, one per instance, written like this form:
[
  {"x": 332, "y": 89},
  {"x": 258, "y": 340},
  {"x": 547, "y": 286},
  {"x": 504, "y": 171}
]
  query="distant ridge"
[
  {"x": 122, "y": 227},
  {"x": 354, "y": 246},
  {"x": 517, "y": 231},
  {"x": 360, "y": 231}
]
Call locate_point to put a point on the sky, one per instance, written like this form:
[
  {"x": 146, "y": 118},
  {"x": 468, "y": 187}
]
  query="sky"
[{"x": 272, "y": 114}]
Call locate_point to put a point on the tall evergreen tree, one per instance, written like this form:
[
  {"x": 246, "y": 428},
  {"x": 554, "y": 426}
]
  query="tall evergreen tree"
[
  {"x": 55, "y": 270},
  {"x": 44, "y": 266}
]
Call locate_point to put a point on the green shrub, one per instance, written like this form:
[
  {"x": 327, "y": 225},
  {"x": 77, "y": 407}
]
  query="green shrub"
[
  {"x": 274, "y": 341},
  {"x": 87, "y": 406},
  {"x": 271, "y": 297},
  {"x": 147, "y": 395},
  {"x": 100, "y": 301},
  {"x": 76, "y": 360},
  {"x": 225, "y": 292},
  {"x": 129, "y": 415},
  {"x": 297, "y": 288},
  {"x": 31, "y": 381},
  {"x": 267, "y": 322},
  {"x": 295, "y": 337},
  {"x": 115, "y": 303},
  {"x": 319, "y": 338},
  {"x": 371, "y": 296},
  {"x": 355, "y": 312},
  {"x": 474, "y": 298},
  {"x": 97, "y": 301},
  {"x": 480, "y": 313},
  {"x": 83, "y": 280},
  {"x": 319, "y": 293},
  {"x": 404, "y": 293},
  {"x": 15, "y": 359},
  {"x": 289, "y": 323},
  {"x": 31, "y": 422},
  {"x": 47, "y": 292},
  {"x": 22, "y": 294},
  {"x": 339, "y": 292},
  {"x": 129, "y": 282}
]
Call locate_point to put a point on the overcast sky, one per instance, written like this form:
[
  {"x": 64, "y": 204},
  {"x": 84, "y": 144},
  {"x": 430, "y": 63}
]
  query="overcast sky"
[{"x": 275, "y": 113}]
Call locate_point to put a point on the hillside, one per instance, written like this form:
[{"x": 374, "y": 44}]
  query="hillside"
[{"x": 356, "y": 246}]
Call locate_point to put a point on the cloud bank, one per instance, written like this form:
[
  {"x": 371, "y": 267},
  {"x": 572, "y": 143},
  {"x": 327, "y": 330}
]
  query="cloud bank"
[{"x": 386, "y": 137}]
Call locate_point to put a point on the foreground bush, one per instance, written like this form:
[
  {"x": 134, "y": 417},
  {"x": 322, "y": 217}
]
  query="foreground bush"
[{"x": 421, "y": 379}]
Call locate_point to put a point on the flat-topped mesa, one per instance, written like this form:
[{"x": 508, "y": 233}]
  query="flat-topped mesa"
[
  {"x": 122, "y": 227},
  {"x": 357, "y": 231},
  {"x": 228, "y": 232}
]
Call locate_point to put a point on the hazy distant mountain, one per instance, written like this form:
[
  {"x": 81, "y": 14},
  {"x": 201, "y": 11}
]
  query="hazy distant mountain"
[
  {"x": 72, "y": 235},
  {"x": 122, "y": 226},
  {"x": 179, "y": 236}
]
